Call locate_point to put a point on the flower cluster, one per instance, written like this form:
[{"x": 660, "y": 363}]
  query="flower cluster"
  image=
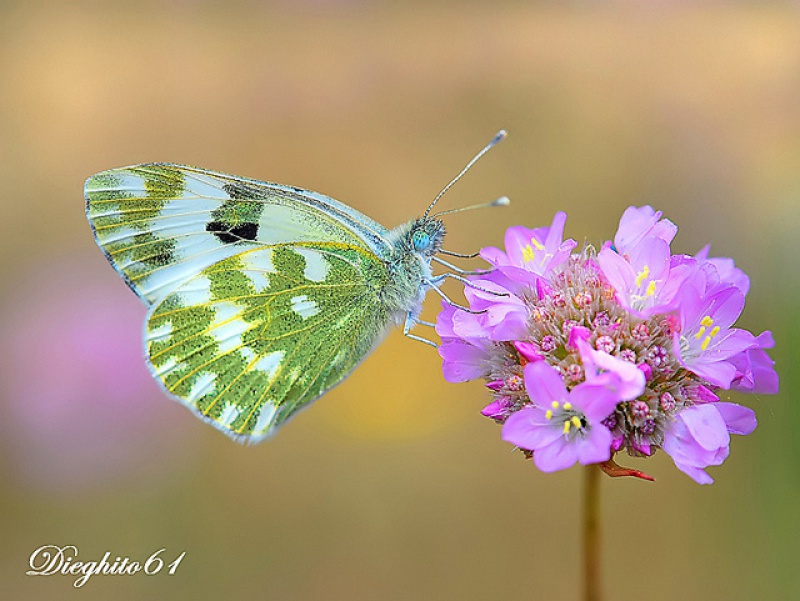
[{"x": 587, "y": 353}]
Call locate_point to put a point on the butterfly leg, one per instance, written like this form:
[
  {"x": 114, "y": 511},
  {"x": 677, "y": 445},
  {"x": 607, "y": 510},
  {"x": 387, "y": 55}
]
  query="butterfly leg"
[
  {"x": 466, "y": 282},
  {"x": 460, "y": 255},
  {"x": 410, "y": 322},
  {"x": 433, "y": 284},
  {"x": 461, "y": 271}
]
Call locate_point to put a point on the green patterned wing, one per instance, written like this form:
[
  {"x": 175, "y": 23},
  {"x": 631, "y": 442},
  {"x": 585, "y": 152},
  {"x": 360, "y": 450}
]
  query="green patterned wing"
[
  {"x": 255, "y": 337},
  {"x": 160, "y": 224}
]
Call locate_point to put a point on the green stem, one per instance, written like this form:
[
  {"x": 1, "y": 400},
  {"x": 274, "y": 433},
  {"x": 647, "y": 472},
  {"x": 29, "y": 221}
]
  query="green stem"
[{"x": 591, "y": 534}]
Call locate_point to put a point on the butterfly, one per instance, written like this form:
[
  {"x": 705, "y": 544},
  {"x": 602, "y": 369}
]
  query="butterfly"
[{"x": 261, "y": 296}]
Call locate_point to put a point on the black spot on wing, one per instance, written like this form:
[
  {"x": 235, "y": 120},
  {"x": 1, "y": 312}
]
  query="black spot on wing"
[
  {"x": 228, "y": 234},
  {"x": 237, "y": 218}
]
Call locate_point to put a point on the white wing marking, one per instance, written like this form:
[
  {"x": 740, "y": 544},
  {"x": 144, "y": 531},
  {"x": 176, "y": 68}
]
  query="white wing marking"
[{"x": 205, "y": 384}]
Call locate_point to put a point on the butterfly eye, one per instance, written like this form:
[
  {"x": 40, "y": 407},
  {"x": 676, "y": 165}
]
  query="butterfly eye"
[{"x": 421, "y": 240}]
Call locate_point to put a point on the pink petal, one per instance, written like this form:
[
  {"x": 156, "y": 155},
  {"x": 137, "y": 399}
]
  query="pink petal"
[
  {"x": 528, "y": 350},
  {"x": 653, "y": 253},
  {"x": 556, "y": 456},
  {"x": 576, "y": 334},
  {"x": 719, "y": 373},
  {"x": 517, "y": 238},
  {"x": 596, "y": 446},
  {"x": 695, "y": 473},
  {"x": 637, "y": 223},
  {"x": 629, "y": 380},
  {"x": 462, "y": 361},
  {"x": 725, "y": 306},
  {"x": 544, "y": 384},
  {"x": 617, "y": 271},
  {"x": 529, "y": 429},
  {"x": 595, "y": 399},
  {"x": 738, "y": 419},
  {"x": 706, "y": 426},
  {"x": 498, "y": 409},
  {"x": 495, "y": 256},
  {"x": 556, "y": 231}
]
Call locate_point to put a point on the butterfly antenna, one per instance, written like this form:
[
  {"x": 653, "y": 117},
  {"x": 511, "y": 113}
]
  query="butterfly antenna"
[
  {"x": 499, "y": 136},
  {"x": 503, "y": 201}
]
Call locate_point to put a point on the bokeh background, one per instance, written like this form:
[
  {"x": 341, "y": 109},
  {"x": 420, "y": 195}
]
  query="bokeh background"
[{"x": 393, "y": 487}]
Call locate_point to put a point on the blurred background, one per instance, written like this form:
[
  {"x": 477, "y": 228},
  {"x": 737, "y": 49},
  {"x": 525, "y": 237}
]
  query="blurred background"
[{"x": 392, "y": 487}]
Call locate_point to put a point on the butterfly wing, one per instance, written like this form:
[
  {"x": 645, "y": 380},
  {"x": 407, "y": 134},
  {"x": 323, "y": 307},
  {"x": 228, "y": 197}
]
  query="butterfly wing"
[
  {"x": 257, "y": 336},
  {"x": 160, "y": 224}
]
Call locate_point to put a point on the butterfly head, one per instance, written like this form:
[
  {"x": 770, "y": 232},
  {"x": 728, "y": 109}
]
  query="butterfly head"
[{"x": 426, "y": 235}]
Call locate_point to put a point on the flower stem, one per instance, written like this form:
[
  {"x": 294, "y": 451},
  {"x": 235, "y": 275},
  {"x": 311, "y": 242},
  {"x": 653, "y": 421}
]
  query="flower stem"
[{"x": 591, "y": 534}]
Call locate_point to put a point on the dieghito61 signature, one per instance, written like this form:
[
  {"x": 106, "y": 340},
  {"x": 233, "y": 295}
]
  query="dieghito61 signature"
[{"x": 48, "y": 560}]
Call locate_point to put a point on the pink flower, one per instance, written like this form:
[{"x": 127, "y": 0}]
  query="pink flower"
[
  {"x": 644, "y": 279},
  {"x": 82, "y": 409},
  {"x": 531, "y": 254},
  {"x": 699, "y": 436},
  {"x": 707, "y": 341},
  {"x": 656, "y": 328},
  {"x": 562, "y": 427}
]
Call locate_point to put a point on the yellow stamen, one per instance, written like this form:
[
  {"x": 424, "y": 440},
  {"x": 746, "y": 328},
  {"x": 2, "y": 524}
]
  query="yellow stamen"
[
  {"x": 706, "y": 322},
  {"x": 548, "y": 414},
  {"x": 527, "y": 254},
  {"x": 642, "y": 276},
  {"x": 567, "y": 406},
  {"x": 576, "y": 421},
  {"x": 536, "y": 244},
  {"x": 555, "y": 405},
  {"x": 651, "y": 289},
  {"x": 566, "y": 427}
]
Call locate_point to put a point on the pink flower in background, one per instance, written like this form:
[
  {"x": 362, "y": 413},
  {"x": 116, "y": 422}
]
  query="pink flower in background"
[
  {"x": 82, "y": 409},
  {"x": 624, "y": 349}
]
